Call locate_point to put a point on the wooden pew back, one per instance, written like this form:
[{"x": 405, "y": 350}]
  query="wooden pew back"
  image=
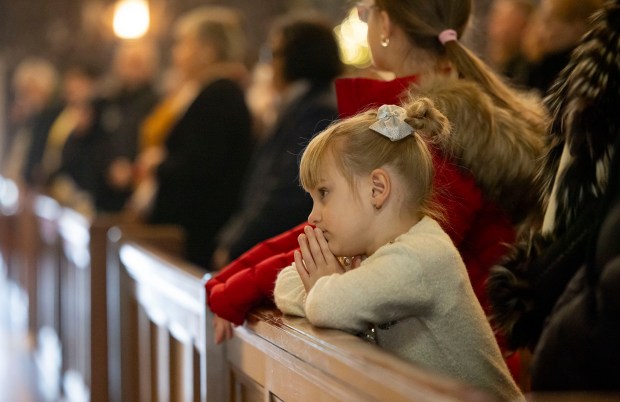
[
  {"x": 83, "y": 304},
  {"x": 86, "y": 282},
  {"x": 9, "y": 209},
  {"x": 168, "y": 353},
  {"x": 282, "y": 358},
  {"x": 163, "y": 320}
]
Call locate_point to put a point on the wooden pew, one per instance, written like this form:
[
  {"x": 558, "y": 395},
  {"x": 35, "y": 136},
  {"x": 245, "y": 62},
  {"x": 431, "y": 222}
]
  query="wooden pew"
[
  {"x": 19, "y": 250},
  {"x": 162, "y": 342},
  {"x": 55, "y": 260},
  {"x": 161, "y": 345},
  {"x": 282, "y": 358},
  {"x": 168, "y": 353},
  {"x": 84, "y": 299},
  {"x": 31, "y": 253},
  {"x": 45, "y": 302},
  {"x": 9, "y": 208}
]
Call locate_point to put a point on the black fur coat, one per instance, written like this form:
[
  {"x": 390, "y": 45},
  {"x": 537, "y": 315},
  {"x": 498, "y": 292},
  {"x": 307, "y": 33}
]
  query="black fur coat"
[{"x": 585, "y": 104}]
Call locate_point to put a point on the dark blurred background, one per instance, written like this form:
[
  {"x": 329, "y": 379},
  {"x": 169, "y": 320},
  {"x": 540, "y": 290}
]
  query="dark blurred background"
[
  {"x": 64, "y": 29},
  {"x": 69, "y": 31}
]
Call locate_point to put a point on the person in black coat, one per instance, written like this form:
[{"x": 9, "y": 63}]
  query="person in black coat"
[
  {"x": 125, "y": 105},
  {"x": 558, "y": 293},
  {"x": 201, "y": 168},
  {"x": 305, "y": 61},
  {"x": 557, "y": 28}
]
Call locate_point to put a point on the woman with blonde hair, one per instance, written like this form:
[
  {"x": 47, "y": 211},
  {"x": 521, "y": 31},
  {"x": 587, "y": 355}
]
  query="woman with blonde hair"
[{"x": 199, "y": 170}]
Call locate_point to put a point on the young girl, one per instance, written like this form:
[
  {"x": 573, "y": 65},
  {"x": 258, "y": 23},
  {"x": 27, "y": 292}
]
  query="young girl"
[
  {"x": 484, "y": 199},
  {"x": 370, "y": 179}
]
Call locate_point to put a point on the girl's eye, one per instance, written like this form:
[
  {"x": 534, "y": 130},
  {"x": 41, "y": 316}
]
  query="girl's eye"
[{"x": 322, "y": 192}]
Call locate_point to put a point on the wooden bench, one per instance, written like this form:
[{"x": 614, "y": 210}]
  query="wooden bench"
[
  {"x": 168, "y": 352},
  {"x": 276, "y": 357},
  {"x": 84, "y": 298},
  {"x": 9, "y": 209},
  {"x": 162, "y": 340},
  {"x": 56, "y": 261},
  {"x": 133, "y": 323},
  {"x": 18, "y": 227}
]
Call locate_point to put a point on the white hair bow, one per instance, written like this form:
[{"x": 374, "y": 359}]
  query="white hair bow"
[{"x": 391, "y": 122}]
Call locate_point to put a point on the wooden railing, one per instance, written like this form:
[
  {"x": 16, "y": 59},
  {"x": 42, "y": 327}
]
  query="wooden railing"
[
  {"x": 157, "y": 322},
  {"x": 168, "y": 353},
  {"x": 19, "y": 248},
  {"x": 276, "y": 357},
  {"x": 84, "y": 299},
  {"x": 55, "y": 259},
  {"x": 131, "y": 318}
]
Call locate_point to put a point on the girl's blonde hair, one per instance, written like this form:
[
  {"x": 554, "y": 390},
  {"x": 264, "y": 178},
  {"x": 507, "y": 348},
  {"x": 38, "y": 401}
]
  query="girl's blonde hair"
[
  {"x": 358, "y": 150},
  {"x": 423, "y": 21}
]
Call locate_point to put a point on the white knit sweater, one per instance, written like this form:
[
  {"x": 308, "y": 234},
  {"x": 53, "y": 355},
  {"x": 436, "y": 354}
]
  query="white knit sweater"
[{"x": 419, "y": 281}]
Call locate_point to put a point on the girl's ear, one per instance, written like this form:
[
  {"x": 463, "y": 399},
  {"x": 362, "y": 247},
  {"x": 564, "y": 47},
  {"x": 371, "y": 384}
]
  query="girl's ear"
[{"x": 381, "y": 186}]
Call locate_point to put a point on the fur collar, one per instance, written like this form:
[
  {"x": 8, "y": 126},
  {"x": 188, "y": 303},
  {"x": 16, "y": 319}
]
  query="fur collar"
[{"x": 498, "y": 147}]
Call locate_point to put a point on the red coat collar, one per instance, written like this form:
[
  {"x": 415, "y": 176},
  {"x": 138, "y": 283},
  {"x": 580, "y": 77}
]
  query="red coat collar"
[{"x": 358, "y": 94}]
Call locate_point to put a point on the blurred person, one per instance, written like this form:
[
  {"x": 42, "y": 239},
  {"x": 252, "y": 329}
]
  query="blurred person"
[
  {"x": 35, "y": 106},
  {"x": 172, "y": 103},
  {"x": 200, "y": 168},
  {"x": 98, "y": 155},
  {"x": 262, "y": 97},
  {"x": 557, "y": 294},
  {"x": 556, "y": 28},
  {"x": 305, "y": 61},
  {"x": 178, "y": 92},
  {"x": 130, "y": 97},
  {"x": 82, "y": 161},
  {"x": 507, "y": 23},
  {"x": 79, "y": 87}
]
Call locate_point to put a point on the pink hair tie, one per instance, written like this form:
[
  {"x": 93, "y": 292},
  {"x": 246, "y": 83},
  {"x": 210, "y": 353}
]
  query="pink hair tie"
[{"x": 447, "y": 35}]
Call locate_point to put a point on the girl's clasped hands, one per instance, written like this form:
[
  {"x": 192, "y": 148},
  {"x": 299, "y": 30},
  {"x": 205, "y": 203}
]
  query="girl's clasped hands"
[{"x": 315, "y": 259}]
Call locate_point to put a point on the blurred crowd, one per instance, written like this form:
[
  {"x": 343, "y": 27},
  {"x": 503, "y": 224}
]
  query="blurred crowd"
[{"x": 105, "y": 138}]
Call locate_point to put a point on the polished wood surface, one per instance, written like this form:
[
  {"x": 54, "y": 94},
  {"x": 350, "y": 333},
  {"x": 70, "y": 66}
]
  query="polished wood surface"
[
  {"x": 163, "y": 325},
  {"x": 130, "y": 317},
  {"x": 289, "y": 359},
  {"x": 168, "y": 353}
]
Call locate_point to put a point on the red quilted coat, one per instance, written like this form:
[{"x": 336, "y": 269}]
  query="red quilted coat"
[{"x": 478, "y": 227}]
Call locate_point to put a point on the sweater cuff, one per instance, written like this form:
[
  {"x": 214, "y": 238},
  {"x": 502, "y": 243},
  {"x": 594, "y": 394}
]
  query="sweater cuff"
[{"x": 289, "y": 293}]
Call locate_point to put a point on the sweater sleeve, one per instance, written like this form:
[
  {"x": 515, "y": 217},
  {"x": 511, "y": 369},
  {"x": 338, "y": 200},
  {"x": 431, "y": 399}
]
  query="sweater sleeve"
[
  {"x": 289, "y": 293},
  {"x": 388, "y": 286}
]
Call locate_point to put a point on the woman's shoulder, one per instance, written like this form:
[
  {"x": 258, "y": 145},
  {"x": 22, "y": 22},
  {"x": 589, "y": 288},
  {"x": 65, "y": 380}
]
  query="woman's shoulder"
[
  {"x": 220, "y": 94},
  {"x": 221, "y": 86}
]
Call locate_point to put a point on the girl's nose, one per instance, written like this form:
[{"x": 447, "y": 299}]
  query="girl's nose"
[{"x": 314, "y": 216}]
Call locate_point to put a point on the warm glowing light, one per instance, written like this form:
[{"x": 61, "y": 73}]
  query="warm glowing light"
[
  {"x": 131, "y": 19},
  {"x": 351, "y": 34}
]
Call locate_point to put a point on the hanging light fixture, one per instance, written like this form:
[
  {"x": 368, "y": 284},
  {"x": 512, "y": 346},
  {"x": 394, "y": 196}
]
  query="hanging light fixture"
[{"x": 131, "y": 19}]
